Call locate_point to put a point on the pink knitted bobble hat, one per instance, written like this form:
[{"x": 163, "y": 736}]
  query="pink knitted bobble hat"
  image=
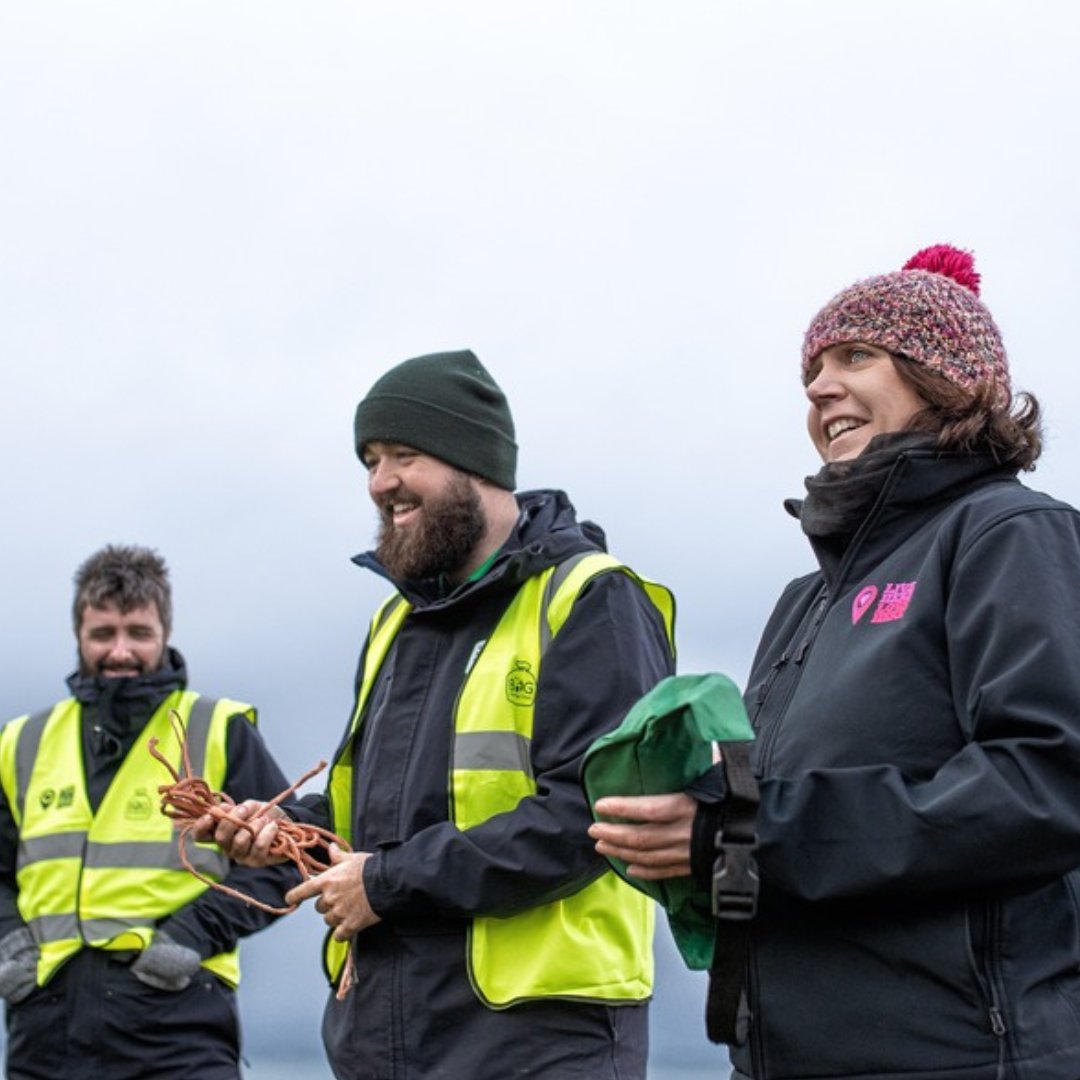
[{"x": 929, "y": 312}]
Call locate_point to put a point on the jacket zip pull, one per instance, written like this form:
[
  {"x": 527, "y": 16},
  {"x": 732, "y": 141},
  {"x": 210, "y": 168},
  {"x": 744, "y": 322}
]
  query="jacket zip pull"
[
  {"x": 997, "y": 1022},
  {"x": 806, "y": 641},
  {"x": 805, "y": 644},
  {"x": 766, "y": 683}
]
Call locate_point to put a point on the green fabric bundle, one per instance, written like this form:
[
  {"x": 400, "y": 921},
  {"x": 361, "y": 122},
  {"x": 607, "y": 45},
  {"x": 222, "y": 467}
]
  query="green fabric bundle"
[{"x": 662, "y": 746}]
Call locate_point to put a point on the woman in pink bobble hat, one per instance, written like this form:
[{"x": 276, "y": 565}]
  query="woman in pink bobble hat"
[{"x": 916, "y": 702}]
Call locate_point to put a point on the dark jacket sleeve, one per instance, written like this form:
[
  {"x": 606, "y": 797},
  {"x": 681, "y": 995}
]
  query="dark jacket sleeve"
[
  {"x": 611, "y": 649},
  {"x": 9, "y": 893},
  {"x": 1005, "y": 809},
  {"x": 214, "y": 922},
  {"x": 311, "y": 809}
]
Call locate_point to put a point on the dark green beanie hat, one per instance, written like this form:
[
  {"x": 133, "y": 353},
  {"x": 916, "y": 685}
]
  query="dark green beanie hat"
[{"x": 447, "y": 405}]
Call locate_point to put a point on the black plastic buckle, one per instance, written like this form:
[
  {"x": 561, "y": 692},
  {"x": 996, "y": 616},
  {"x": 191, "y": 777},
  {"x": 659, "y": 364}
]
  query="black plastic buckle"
[{"x": 734, "y": 880}]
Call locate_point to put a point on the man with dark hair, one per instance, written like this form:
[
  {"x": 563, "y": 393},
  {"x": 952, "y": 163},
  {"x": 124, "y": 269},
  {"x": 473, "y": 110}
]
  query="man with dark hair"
[
  {"x": 127, "y": 577},
  {"x": 115, "y": 961},
  {"x": 488, "y": 939}
]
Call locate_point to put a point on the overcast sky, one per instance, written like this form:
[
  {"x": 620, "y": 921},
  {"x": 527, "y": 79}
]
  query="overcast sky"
[{"x": 220, "y": 222}]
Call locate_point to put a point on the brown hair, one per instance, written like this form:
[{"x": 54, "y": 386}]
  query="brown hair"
[
  {"x": 129, "y": 577},
  {"x": 976, "y": 420}
]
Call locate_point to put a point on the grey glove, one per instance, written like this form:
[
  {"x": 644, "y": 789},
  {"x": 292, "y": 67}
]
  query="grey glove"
[
  {"x": 166, "y": 964},
  {"x": 18, "y": 965}
]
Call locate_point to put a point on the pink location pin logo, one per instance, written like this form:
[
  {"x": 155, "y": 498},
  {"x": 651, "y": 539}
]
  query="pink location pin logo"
[{"x": 865, "y": 598}]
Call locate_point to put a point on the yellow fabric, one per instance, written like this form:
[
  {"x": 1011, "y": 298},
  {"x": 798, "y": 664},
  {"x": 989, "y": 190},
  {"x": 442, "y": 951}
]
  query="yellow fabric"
[
  {"x": 594, "y": 945},
  {"x": 81, "y": 896}
]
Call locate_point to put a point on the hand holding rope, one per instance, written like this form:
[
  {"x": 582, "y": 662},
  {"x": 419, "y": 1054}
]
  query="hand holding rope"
[{"x": 189, "y": 798}]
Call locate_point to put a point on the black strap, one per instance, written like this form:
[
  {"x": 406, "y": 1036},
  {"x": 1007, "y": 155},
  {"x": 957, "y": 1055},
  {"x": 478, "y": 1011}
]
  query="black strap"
[{"x": 734, "y": 899}]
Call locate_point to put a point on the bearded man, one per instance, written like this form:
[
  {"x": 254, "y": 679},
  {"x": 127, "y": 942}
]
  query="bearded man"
[
  {"x": 115, "y": 961},
  {"x": 488, "y": 938}
]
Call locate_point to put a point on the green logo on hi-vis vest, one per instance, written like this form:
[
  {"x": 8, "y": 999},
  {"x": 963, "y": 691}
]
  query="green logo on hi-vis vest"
[
  {"x": 521, "y": 684},
  {"x": 50, "y": 797},
  {"x": 140, "y": 806}
]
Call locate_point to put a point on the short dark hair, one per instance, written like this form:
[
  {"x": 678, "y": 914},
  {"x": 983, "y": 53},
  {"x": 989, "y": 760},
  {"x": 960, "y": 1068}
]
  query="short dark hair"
[
  {"x": 127, "y": 576},
  {"x": 977, "y": 420}
]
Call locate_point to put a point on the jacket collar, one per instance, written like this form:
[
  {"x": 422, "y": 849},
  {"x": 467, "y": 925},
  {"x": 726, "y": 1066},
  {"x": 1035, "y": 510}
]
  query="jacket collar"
[
  {"x": 919, "y": 485},
  {"x": 546, "y": 533},
  {"x": 124, "y": 705}
]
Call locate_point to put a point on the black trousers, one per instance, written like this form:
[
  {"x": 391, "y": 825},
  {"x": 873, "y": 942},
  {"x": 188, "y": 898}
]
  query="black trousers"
[
  {"x": 413, "y": 1015},
  {"x": 96, "y": 1021}
]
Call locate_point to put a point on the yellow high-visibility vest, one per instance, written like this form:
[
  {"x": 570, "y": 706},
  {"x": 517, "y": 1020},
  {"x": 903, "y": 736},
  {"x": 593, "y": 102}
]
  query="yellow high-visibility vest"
[
  {"x": 102, "y": 880},
  {"x": 595, "y": 945}
]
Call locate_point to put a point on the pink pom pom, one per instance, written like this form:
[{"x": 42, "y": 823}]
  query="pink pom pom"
[{"x": 949, "y": 261}]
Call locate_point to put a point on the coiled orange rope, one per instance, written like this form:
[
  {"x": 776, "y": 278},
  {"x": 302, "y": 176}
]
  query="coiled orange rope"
[{"x": 190, "y": 797}]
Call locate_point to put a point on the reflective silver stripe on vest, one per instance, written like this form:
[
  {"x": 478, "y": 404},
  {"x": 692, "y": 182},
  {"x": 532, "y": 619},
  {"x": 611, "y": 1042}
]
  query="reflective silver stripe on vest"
[
  {"x": 123, "y": 856},
  {"x": 207, "y": 861},
  {"x": 560, "y": 574},
  {"x": 97, "y": 929},
  {"x": 67, "y": 845},
  {"x": 198, "y": 733},
  {"x": 506, "y": 750},
  {"x": 54, "y": 927},
  {"x": 155, "y": 856},
  {"x": 66, "y": 927},
  {"x": 26, "y": 752}
]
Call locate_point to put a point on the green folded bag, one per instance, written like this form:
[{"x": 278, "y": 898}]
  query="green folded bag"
[{"x": 662, "y": 746}]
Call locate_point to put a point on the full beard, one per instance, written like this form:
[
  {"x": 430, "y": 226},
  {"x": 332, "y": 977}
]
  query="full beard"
[{"x": 440, "y": 541}]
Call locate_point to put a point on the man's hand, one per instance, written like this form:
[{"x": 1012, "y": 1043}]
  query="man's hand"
[
  {"x": 342, "y": 898},
  {"x": 656, "y": 842},
  {"x": 248, "y": 845}
]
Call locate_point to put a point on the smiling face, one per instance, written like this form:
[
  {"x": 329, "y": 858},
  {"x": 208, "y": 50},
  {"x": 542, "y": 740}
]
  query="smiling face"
[
  {"x": 431, "y": 517},
  {"x": 856, "y": 393},
  {"x": 121, "y": 644}
]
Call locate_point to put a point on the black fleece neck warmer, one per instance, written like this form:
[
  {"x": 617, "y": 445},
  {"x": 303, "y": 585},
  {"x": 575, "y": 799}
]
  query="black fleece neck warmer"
[
  {"x": 120, "y": 708},
  {"x": 840, "y": 495}
]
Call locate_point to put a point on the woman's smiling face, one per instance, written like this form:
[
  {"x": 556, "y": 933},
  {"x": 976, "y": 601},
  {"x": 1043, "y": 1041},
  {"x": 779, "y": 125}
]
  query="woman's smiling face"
[{"x": 856, "y": 393}]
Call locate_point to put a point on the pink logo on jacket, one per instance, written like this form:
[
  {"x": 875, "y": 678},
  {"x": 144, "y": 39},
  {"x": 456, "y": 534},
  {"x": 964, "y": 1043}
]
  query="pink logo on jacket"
[
  {"x": 892, "y": 606},
  {"x": 862, "y": 602}
]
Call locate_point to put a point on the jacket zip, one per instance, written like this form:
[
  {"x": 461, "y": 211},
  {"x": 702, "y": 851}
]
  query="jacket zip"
[
  {"x": 985, "y": 967},
  {"x": 805, "y": 635},
  {"x": 811, "y": 634},
  {"x": 767, "y": 682}
]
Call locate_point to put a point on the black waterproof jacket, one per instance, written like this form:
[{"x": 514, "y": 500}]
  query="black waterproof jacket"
[
  {"x": 95, "y": 1019},
  {"x": 917, "y": 703},
  {"x": 412, "y": 1012}
]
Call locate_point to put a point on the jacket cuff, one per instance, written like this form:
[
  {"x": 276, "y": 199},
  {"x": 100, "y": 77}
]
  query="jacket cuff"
[
  {"x": 710, "y": 786},
  {"x": 376, "y": 886},
  {"x": 707, "y": 823},
  {"x": 180, "y": 934}
]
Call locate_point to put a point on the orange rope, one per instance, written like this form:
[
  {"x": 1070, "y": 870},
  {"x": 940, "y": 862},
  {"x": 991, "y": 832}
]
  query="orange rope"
[{"x": 189, "y": 798}]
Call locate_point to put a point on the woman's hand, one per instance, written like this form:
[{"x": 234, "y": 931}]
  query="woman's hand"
[{"x": 654, "y": 839}]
